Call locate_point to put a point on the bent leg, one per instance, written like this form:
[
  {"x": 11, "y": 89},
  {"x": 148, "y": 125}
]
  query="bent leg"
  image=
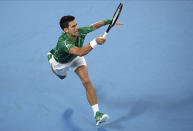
[{"x": 61, "y": 77}]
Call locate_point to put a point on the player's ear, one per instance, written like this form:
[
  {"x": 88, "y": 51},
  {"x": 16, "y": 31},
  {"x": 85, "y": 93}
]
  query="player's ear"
[{"x": 66, "y": 30}]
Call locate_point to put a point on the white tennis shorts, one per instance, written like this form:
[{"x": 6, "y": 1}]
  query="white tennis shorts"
[{"x": 62, "y": 69}]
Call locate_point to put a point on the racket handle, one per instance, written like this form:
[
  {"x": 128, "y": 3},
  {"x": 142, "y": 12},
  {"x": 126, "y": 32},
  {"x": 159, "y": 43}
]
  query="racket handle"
[{"x": 105, "y": 34}]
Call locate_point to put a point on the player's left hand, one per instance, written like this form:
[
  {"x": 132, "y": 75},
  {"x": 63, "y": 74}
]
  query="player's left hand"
[{"x": 117, "y": 24}]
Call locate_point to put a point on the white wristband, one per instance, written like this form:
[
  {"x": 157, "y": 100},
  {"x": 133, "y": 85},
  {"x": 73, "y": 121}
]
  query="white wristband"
[{"x": 93, "y": 43}]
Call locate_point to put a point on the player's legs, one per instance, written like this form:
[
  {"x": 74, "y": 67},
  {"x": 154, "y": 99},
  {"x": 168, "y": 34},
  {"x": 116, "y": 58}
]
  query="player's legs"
[{"x": 82, "y": 72}]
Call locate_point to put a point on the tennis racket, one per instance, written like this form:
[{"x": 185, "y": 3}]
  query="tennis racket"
[{"x": 114, "y": 19}]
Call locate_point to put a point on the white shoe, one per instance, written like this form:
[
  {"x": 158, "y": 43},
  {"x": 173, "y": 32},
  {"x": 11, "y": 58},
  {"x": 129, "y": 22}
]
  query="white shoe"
[{"x": 101, "y": 118}]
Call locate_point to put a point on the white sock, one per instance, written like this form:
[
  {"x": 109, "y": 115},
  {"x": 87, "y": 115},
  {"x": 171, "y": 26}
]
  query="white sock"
[{"x": 95, "y": 109}]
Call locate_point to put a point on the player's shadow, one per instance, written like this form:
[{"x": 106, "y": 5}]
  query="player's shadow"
[
  {"x": 67, "y": 117},
  {"x": 137, "y": 109},
  {"x": 101, "y": 129}
]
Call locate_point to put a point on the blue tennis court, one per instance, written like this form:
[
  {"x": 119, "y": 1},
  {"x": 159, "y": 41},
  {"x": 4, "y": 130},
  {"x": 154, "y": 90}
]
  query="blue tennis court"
[{"x": 143, "y": 74}]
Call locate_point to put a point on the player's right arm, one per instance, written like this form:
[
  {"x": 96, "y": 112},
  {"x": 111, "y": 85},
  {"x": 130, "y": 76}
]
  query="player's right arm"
[{"x": 81, "y": 51}]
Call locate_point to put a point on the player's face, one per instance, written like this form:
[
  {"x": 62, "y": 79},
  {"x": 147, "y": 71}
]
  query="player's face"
[{"x": 73, "y": 28}]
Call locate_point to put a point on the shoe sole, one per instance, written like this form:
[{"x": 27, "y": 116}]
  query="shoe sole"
[{"x": 104, "y": 118}]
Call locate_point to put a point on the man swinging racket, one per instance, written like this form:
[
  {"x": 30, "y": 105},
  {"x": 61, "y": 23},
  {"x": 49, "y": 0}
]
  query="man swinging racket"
[{"x": 69, "y": 53}]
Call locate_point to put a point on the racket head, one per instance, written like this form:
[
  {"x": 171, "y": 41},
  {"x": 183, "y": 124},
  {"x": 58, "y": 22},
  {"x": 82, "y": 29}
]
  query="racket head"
[{"x": 115, "y": 16}]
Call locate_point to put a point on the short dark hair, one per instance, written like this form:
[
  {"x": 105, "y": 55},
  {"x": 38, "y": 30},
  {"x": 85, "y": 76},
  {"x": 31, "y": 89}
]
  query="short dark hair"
[{"x": 65, "y": 20}]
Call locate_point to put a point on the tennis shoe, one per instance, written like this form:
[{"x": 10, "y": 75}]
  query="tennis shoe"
[{"x": 101, "y": 118}]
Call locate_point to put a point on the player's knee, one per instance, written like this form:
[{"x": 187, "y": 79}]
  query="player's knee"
[{"x": 85, "y": 81}]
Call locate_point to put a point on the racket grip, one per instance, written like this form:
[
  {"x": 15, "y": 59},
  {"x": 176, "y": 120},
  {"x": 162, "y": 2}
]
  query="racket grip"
[{"x": 105, "y": 34}]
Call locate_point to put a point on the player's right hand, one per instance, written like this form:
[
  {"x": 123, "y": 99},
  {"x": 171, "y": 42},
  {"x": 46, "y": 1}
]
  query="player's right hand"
[{"x": 100, "y": 40}]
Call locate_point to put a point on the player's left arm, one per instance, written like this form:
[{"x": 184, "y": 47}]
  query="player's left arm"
[{"x": 104, "y": 22}]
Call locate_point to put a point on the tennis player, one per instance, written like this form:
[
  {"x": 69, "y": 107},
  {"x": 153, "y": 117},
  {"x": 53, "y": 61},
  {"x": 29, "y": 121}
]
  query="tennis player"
[{"x": 69, "y": 53}]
